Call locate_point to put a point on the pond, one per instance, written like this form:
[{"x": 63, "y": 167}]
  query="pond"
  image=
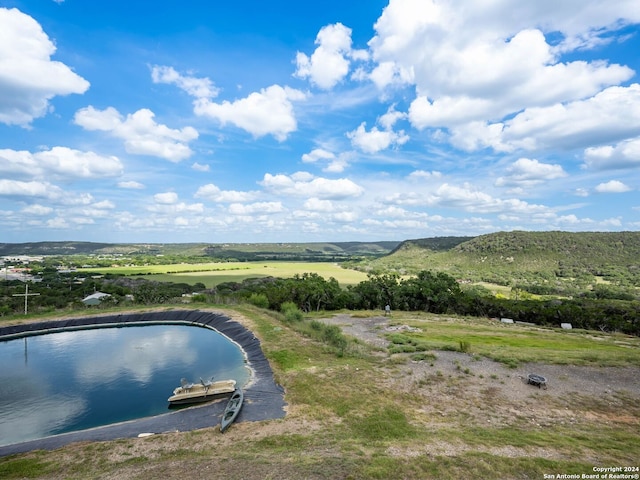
[{"x": 75, "y": 380}]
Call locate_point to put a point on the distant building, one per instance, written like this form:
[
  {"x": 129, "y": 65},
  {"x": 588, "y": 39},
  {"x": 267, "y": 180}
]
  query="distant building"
[{"x": 95, "y": 298}]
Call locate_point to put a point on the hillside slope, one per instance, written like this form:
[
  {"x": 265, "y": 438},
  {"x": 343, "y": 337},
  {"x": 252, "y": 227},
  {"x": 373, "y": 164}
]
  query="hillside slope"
[{"x": 507, "y": 257}]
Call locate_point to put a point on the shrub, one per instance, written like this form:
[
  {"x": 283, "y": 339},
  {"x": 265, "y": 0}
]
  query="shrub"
[
  {"x": 465, "y": 346},
  {"x": 260, "y": 300},
  {"x": 399, "y": 339},
  {"x": 333, "y": 336},
  {"x": 291, "y": 312}
]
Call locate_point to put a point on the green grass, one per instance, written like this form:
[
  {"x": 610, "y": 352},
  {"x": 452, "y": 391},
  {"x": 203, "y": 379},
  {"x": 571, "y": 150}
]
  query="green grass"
[
  {"x": 212, "y": 274},
  {"x": 518, "y": 343}
]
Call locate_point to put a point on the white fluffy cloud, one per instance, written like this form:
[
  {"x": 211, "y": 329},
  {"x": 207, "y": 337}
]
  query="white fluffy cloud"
[
  {"x": 16, "y": 188},
  {"x": 213, "y": 193},
  {"x": 59, "y": 162},
  {"x": 335, "y": 164},
  {"x": 609, "y": 116},
  {"x": 612, "y": 186},
  {"x": 33, "y": 190},
  {"x": 375, "y": 140},
  {"x": 268, "y": 112},
  {"x": 260, "y": 208},
  {"x": 625, "y": 154},
  {"x": 317, "y": 154},
  {"x": 29, "y": 79},
  {"x": 329, "y": 63},
  {"x": 305, "y": 185},
  {"x": 166, "y": 198},
  {"x": 141, "y": 134},
  {"x": 526, "y": 173},
  {"x": 316, "y": 205},
  {"x": 470, "y": 198},
  {"x": 474, "y": 64}
]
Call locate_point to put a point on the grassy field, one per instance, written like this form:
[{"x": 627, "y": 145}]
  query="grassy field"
[
  {"x": 368, "y": 414},
  {"x": 211, "y": 274},
  {"x": 514, "y": 344}
]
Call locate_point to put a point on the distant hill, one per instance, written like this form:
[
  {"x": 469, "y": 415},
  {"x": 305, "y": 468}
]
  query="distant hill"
[
  {"x": 505, "y": 257},
  {"x": 238, "y": 251}
]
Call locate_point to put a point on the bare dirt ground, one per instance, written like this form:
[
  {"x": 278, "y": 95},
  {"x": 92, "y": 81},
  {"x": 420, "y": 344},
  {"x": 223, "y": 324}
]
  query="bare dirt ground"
[{"x": 457, "y": 382}]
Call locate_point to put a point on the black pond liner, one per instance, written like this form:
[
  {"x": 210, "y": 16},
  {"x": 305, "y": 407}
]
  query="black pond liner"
[{"x": 263, "y": 398}]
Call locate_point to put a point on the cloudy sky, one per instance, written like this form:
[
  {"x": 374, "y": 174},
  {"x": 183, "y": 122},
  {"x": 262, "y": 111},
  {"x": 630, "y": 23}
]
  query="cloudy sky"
[{"x": 283, "y": 121}]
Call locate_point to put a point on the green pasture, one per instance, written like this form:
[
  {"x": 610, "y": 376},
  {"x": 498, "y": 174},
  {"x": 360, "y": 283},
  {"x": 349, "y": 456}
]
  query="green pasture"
[
  {"x": 212, "y": 274},
  {"x": 516, "y": 343}
]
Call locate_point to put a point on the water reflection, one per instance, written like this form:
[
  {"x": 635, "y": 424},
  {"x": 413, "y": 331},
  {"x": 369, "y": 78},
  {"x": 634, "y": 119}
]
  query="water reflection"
[
  {"x": 69, "y": 381},
  {"x": 135, "y": 357}
]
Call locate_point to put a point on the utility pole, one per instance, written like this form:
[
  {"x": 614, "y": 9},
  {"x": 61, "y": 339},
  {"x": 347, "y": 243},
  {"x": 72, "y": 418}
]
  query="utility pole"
[{"x": 26, "y": 296}]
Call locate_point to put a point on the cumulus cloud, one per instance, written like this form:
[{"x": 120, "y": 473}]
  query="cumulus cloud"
[
  {"x": 59, "y": 162},
  {"x": 166, "y": 198},
  {"x": 268, "y": 112},
  {"x": 625, "y": 154},
  {"x": 329, "y": 63},
  {"x": 467, "y": 197},
  {"x": 37, "y": 210},
  {"x": 28, "y": 189},
  {"x": 29, "y": 78},
  {"x": 141, "y": 134},
  {"x": 317, "y": 154},
  {"x": 304, "y": 185},
  {"x": 526, "y": 173},
  {"x": 375, "y": 140},
  {"x": 612, "y": 186},
  {"x": 33, "y": 190},
  {"x": 213, "y": 193},
  {"x": 260, "y": 208},
  {"x": 473, "y": 64},
  {"x": 194, "y": 86},
  {"x": 335, "y": 164},
  {"x": 316, "y": 205},
  {"x": 609, "y": 116}
]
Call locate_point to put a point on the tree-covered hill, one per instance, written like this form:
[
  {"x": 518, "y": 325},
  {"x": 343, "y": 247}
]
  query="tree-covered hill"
[{"x": 526, "y": 258}]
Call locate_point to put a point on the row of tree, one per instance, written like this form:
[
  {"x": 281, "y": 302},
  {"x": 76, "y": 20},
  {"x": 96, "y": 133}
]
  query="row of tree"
[
  {"x": 427, "y": 291},
  {"x": 436, "y": 293}
]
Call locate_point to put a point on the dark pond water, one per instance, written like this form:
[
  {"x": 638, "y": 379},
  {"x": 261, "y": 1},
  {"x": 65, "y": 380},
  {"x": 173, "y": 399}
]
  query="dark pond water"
[{"x": 74, "y": 380}]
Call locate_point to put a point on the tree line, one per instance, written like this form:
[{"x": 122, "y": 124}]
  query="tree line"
[
  {"x": 428, "y": 291},
  {"x": 434, "y": 292}
]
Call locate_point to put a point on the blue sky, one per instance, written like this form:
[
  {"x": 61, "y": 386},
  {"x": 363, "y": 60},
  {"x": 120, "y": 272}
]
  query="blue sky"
[{"x": 282, "y": 121}]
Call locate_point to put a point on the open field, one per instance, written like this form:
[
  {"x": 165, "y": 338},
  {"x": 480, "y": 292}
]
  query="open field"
[
  {"x": 212, "y": 274},
  {"x": 374, "y": 414},
  {"x": 514, "y": 344}
]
